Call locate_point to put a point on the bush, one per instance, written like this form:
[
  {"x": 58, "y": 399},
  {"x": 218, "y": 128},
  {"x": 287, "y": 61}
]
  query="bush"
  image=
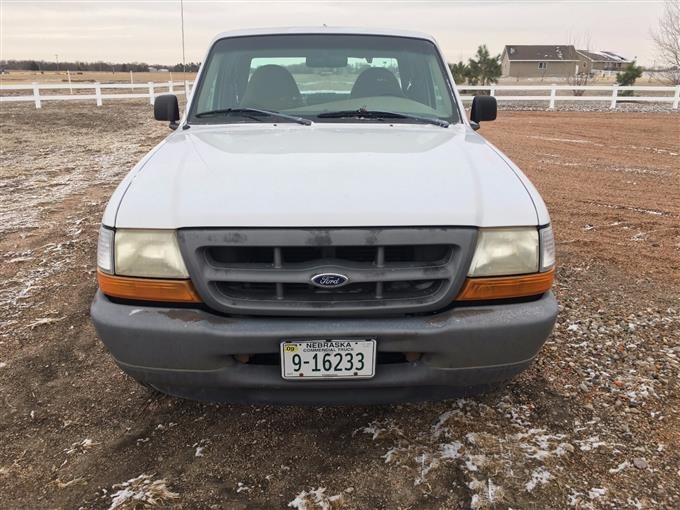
[{"x": 628, "y": 77}]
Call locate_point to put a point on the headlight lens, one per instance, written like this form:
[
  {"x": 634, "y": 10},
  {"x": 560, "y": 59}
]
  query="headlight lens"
[
  {"x": 105, "y": 250},
  {"x": 148, "y": 253},
  {"x": 547, "y": 248},
  {"x": 506, "y": 251}
]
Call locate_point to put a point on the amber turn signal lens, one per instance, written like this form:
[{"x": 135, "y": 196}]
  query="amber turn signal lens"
[
  {"x": 147, "y": 289},
  {"x": 506, "y": 287}
]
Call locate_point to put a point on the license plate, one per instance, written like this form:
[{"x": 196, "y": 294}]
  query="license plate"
[{"x": 328, "y": 359}]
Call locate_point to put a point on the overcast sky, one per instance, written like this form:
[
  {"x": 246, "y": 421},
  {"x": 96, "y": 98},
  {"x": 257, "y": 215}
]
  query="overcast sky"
[{"x": 149, "y": 31}]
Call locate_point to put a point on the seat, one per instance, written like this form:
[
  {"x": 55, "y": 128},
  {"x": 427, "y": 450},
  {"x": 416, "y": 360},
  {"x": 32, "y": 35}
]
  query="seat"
[
  {"x": 272, "y": 87},
  {"x": 376, "y": 81}
]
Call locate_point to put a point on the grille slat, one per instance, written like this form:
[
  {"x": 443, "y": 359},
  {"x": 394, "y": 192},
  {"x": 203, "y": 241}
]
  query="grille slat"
[
  {"x": 379, "y": 263},
  {"x": 285, "y": 275},
  {"x": 395, "y": 270}
]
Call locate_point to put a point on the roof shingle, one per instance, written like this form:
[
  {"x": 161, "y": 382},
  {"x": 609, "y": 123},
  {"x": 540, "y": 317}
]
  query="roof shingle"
[
  {"x": 564, "y": 52},
  {"x": 602, "y": 56}
]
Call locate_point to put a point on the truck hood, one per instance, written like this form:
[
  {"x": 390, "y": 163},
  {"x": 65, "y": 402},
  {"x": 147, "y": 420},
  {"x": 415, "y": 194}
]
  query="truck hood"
[{"x": 324, "y": 175}]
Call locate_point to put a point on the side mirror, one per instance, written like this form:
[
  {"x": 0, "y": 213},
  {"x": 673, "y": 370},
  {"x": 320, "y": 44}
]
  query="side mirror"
[
  {"x": 166, "y": 107},
  {"x": 483, "y": 108}
]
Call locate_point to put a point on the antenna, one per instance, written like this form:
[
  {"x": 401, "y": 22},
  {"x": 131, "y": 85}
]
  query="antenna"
[{"x": 184, "y": 61}]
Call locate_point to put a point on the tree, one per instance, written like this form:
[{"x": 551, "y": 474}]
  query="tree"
[
  {"x": 459, "y": 71},
  {"x": 667, "y": 40},
  {"x": 583, "y": 74},
  {"x": 484, "y": 69},
  {"x": 628, "y": 77}
]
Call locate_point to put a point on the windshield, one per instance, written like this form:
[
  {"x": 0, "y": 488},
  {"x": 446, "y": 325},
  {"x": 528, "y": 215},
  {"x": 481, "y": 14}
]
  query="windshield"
[{"x": 309, "y": 75}]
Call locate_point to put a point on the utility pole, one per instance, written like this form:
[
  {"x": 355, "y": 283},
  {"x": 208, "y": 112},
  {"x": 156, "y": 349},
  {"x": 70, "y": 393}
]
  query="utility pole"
[
  {"x": 184, "y": 61},
  {"x": 57, "y": 59}
]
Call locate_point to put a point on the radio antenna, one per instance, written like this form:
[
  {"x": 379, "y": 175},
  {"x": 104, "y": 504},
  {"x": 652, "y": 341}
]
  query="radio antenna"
[{"x": 184, "y": 60}]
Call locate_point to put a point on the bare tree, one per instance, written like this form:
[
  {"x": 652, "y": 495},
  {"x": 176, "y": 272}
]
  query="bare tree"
[
  {"x": 582, "y": 76},
  {"x": 667, "y": 40}
]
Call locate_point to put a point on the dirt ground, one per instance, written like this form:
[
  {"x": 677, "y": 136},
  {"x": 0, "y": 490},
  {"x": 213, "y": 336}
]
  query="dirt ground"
[{"x": 593, "y": 424}]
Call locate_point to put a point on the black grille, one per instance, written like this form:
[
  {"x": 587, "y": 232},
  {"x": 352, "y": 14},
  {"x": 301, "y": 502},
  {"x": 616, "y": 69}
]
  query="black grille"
[
  {"x": 246, "y": 256},
  {"x": 349, "y": 292},
  {"x": 269, "y": 271}
]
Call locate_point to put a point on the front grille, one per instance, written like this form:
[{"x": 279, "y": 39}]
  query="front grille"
[
  {"x": 349, "y": 292},
  {"x": 269, "y": 271}
]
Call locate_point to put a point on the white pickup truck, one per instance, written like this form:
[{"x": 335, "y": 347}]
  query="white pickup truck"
[{"x": 324, "y": 225}]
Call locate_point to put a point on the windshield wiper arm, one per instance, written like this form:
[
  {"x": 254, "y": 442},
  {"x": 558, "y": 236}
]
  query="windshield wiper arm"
[
  {"x": 253, "y": 112},
  {"x": 362, "y": 113}
]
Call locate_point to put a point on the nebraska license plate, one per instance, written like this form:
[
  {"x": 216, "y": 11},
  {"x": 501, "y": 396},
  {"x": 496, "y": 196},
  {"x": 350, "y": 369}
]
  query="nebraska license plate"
[{"x": 328, "y": 359}]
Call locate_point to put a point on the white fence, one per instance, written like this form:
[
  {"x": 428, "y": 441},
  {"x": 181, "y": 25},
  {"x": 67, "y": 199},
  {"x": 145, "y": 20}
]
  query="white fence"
[
  {"x": 79, "y": 91},
  {"x": 554, "y": 93},
  {"x": 549, "y": 94}
]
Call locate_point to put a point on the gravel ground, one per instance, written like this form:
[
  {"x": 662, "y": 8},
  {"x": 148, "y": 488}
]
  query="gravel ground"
[
  {"x": 593, "y": 423},
  {"x": 629, "y": 106}
]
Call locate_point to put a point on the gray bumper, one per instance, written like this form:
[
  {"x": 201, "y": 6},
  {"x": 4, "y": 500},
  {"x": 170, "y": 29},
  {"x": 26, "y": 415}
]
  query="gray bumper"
[{"x": 189, "y": 352}]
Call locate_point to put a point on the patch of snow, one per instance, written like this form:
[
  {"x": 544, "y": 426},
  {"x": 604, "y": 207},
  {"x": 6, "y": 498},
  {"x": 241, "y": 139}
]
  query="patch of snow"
[
  {"x": 426, "y": 463},
  {"x": 140, "y": 492},
  {"x": 390, "y": 454},
  {"x": 377, "y": 429},
  {"x": 596, "y": 492},
  {"x": 316, "y": 499},
  {"x": 591, "y": 443},
  {"x": 475, "y": 462},
  {"x": 450, "y": 451},
  {"x": 539, "y": 476},
  {"x": 80, "y": 446},
  {"x": 439, "y": 428},
  {"x": 241, "y": 487},
  {"x": 43, "y": 321},
  {"x": 620, "y": 467},
  {"x": 486, "y": 494}
]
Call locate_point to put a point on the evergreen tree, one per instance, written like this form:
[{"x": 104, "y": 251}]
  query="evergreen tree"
[
  {"x": 459, "y": 71},
  {"x": 628, "y": 77},
  {"x": 484, "y": 67}
]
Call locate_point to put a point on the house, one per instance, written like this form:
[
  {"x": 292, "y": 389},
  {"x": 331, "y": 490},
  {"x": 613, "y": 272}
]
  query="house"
[
  {"x": 603, "y": 63},
  {"x": 539, "y": 61}
]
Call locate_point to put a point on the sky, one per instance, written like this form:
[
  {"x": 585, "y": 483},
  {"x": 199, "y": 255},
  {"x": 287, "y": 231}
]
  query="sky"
[{"x": 150, "y": 30}]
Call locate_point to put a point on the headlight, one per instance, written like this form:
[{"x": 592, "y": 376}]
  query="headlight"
[
  {"x": 506, "y": 251},
  {"x": 105, "y": 250},
  {"x": 148, "y": 253}
]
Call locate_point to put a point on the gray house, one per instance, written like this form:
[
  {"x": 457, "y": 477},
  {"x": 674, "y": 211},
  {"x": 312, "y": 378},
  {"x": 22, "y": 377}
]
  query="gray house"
[
  {"x": 603, "y": 63},
  {"x": 544, "y": 61}
]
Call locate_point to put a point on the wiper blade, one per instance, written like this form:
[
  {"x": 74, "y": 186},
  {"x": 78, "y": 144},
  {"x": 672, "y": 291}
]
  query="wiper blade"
[
  {"x": 363, "y": 113},
  {"x": 253, "y": 113}
]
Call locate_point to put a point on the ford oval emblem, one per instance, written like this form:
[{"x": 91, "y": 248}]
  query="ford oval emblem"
[{"x": 329, "y": 280}]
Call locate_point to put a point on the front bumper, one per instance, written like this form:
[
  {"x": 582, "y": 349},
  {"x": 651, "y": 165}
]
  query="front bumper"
[{"x": 190, "y": 353}]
